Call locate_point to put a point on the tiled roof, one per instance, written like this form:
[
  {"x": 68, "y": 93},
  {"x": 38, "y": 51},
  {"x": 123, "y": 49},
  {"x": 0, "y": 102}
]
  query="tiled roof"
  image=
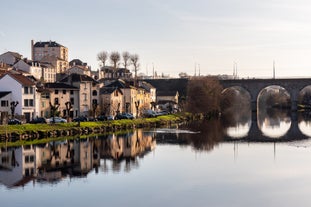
[
  {"x": 78, "y": 78},
  {"x": 48, "y": 43},
  {"x": 16, "y": 55},
  {"x": 59, "y": 85},
  {"x": 120, "y": 84},
  {"x": 4, "y": 93},
  {"x": 23, "y": 80},
  {"x": 108, "y": 90}
]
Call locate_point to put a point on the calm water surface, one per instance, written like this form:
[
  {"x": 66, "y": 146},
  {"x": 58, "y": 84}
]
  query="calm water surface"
[{"x": 213, "y": 163}]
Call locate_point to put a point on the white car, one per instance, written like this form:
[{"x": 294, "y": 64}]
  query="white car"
[{"x": 56, "y": 120}]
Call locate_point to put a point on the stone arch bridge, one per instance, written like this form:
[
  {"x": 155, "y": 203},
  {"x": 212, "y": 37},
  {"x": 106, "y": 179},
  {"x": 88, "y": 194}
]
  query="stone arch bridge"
[{"x": 254, "y": 87}]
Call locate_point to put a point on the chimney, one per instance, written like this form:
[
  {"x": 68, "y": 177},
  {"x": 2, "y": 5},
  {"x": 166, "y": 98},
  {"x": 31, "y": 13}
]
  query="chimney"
[{"x": 32, "y": 50}]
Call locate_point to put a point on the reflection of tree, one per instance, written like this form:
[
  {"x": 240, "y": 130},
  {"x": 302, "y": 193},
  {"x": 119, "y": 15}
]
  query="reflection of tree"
[
  {"x": 272, "y": 116},
  {"x": 209, "y": 134},
  {"x": 236, "y": 107}
]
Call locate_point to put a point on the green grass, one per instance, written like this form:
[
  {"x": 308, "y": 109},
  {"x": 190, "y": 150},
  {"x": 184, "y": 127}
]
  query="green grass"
[{"x": 117, "y": 124}]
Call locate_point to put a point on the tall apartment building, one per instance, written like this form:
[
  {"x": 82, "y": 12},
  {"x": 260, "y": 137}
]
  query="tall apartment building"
[{"x": 50, "y": 52}]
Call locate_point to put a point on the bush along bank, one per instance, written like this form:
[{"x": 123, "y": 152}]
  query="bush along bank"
[{"x": 27, "y": 132}]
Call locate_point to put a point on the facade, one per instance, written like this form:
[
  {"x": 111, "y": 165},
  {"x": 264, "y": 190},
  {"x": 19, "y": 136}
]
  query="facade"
[
  {"x": 109, "y": 72},
  {"x": 5, "y": 100},
  {"x": 32, "y": 67},
  {"x": 60, "y": 94},
  {"x": 88, "y": 91},
  {"x": 50, "y": 52},
  {"x": 23, "y": 91},
  {"x": 111, "y": 99},
  {"x": 78, "y": 69},
  {"x": 129, "y": 96}
]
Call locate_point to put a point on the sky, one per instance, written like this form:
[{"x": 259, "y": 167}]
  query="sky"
[{"x": 171, "y": 36}]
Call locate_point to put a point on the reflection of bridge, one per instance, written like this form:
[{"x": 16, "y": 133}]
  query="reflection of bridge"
[
  {"x": 255, "y": 134},
  {"x": 254, "y": 87}
]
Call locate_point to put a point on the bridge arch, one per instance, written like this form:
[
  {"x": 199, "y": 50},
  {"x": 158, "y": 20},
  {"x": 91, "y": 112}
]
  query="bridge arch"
[{"x": 254, "y": 86}]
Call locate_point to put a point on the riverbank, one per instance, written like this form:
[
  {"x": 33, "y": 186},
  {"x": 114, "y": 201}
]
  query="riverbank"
[{"x": 28, "y": 132}]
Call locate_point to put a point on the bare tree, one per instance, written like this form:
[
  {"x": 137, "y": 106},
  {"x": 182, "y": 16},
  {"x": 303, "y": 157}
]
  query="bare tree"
[
  {"x": 204, "y": 94},
  {"x": 102, "y": 57},
  {"x": 134, "y": 61},
  {"x": 115, "y": 58},
  {"x": 126, "y": 57},
  {"x": 12, "y": 107}
]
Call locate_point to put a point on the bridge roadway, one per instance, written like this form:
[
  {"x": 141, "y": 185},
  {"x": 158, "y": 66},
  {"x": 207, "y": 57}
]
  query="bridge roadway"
[
  {"x": 256, "y": 135},
  {"x": 255, "y": 86}
]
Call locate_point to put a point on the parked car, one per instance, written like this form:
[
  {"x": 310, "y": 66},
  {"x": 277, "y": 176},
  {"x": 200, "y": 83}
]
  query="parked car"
[
  {"x": 149, "y": 113},
  {"x": 101, "y": 118},
  {"x": 38, "y": 120},
  {"x": 110, "y": 118},
  {"x": 124, "y": 116},
  {"x": 56, "y": 120},
  {"x": 160, "y": 113},
  {"x": 80, "y": 119},
  {"x": 14, "y": 121}
]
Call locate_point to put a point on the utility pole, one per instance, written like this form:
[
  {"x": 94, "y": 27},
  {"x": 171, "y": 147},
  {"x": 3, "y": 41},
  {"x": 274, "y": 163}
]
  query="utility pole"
[{"x": 273, "y": 69}]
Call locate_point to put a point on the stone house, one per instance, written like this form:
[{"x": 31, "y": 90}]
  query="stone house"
[
  {"x": 60, "y": 94},
  {"x": 111, "y": 100},
  {"x": 50, "y": 52},
  {"x": 88, "y": 91}
]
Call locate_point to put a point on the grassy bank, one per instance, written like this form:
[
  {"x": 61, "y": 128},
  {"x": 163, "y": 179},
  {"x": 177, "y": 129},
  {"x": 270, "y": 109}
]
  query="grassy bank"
[{"x": 28, "y": 132}]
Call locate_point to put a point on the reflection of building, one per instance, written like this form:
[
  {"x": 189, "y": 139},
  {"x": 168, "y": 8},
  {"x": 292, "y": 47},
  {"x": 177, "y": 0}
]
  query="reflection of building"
[
  {"x": 17, "y": 166},
  {"x": 52, "y": 161}
]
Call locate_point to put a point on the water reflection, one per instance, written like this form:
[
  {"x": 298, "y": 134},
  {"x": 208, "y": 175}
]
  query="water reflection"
[
  {"x": 274, "y": 122},
  {"x": 304, "y": 120},
  {"x": 54, "y": 161}
]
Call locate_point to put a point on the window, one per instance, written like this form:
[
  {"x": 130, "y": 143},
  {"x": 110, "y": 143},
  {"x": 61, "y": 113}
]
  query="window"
[
  {"x": 94, "y": 101},
  {"x": 71, "y": 92},
  {"x": 26, "y": 90},
  {"x": 84, "y": 95},
  {"x": 45, "y": 95},
  {"x": 56, "y": 101},
  {"x": 31, "y": 90},
  {"x": 94, "y": 93},
  {"x": 28, "y": 102},
  {"x": 64, "y": 91},
  {"x": 4, "y": 103},
  {"x": 72, "y": 101},
  {"x": 56, "y": 91},
  {"x": 29, "y": 158}
]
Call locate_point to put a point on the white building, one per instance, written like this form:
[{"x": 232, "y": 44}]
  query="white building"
[{"x": 23, "y": 91}]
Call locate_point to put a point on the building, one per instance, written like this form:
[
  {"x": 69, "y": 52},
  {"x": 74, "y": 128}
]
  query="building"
[
  {"x": 111, "y": 99},
  {"x": 59, "y": 94},
  {"x": 5, "y": 100},
  {"x": 23, "y": 92},
  {"x": 31, "y": 67},
  {"x": 10, "y": 58},
  {"x": 88, "y": 92},
  {"x": 109, "y": 72},
  {"x": 50, "y": 52}
]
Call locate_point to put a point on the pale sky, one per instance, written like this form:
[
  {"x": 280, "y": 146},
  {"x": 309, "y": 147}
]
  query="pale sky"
[{"x": 172, "y": 35}]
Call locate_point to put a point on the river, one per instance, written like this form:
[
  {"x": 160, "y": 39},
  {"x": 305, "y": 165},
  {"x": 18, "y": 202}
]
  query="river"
[{"x": 238, "y": 161}]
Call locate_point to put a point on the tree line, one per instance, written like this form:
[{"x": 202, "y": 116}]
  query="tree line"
[{"x": 116, "y": 59}]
